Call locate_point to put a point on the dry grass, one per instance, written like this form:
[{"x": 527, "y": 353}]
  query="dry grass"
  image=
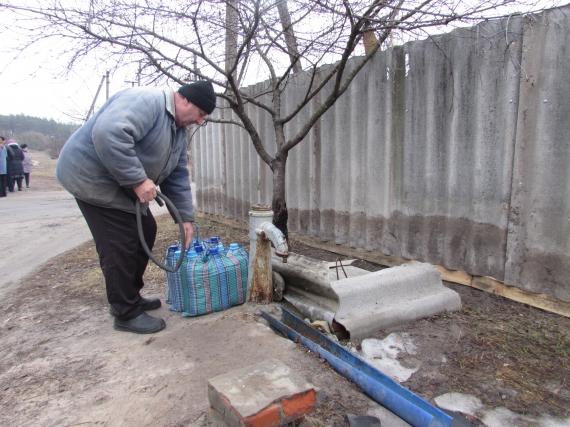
[
  {"x": 514, "y": 356},
  {"x": 45, "y": 166}
]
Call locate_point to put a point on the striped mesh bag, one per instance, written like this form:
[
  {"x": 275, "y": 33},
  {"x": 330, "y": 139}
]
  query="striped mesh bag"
[
  {"x": 214, "y": 283},
  {"x": 174, "y": 295}
]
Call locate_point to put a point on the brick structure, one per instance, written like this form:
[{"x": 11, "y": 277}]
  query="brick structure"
[{"x": 268, "y": 394}]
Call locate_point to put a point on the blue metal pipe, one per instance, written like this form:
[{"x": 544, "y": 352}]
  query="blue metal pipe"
[
  {"x": 402, "y": 402},
  {"x": 441, "y": 419}
]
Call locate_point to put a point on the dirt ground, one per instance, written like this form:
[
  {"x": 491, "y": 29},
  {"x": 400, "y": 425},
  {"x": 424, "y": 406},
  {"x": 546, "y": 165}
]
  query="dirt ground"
[
  {"x": 505, "y": 353},
  {"x": 62, "y": 363}
]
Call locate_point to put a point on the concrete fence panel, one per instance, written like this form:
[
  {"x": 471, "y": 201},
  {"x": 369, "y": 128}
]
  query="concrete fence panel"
[{"x": 454, "y": 150}]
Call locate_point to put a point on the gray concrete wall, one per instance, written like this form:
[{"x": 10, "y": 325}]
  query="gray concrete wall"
[
  {"x": 441, "y": 151},
  {"x": 538, "y": 249}
]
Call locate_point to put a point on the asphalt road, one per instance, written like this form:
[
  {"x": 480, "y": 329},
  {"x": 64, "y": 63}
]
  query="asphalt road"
[{"x": 36, "y": 226}]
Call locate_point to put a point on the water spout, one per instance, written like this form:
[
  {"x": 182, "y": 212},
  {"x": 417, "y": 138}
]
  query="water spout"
[
  {"x": 261, "y": 234},
  {"x": 268, "y": 231}
]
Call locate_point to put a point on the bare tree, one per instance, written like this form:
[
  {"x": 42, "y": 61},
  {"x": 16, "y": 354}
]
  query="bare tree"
[
  {"x": 54, "y": 146},
  {"x": 33, "y": 139},
  {"x": 266, "y": 40}
]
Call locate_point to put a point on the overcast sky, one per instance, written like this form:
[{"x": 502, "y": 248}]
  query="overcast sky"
[
  {"x": 33, "y": 84},
  {"x": 36, "y": 88}
]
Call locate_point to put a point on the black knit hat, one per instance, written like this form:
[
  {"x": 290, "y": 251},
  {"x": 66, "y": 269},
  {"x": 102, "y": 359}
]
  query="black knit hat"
[{"x": 201, "y": 94}]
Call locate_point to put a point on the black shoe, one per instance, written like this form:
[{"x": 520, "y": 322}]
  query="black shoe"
[
  {"x": 143, "y": 324},
  {"x": 150, "y": 304}
]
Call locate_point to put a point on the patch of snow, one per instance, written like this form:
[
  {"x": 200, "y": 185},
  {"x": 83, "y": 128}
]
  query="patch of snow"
[
  {"x": 459, "y": 402},
  {"x": 382, "y": 354},
  {"x": 497, "y": 417}
]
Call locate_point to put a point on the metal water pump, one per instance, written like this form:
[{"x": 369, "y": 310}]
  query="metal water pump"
[{"x": 262, "y": 233}]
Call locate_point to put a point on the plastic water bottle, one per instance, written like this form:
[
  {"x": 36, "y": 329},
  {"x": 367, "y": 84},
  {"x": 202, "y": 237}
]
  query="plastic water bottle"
[
  {"x": 170, "y": 277},
  {"x": 170, "y": 256},
  {"x": 233, "y": 247},
  {"x": 193, "y": 285},
  {"x": 200, "y": 253},
  {"x": 173, "y": 279},
  {"x": 219, "y": 286},
  {"x": 212, "y": 242},
  {"x": 197, "y": 239}
]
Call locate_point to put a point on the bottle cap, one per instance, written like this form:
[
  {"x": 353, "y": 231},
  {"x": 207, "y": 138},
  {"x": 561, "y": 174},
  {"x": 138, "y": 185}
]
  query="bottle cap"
[
  {"x": 220, "y": 248},
  {"x": 214, "y": 239},
  {"x": 198, "y": 248},
  {"x": 173, "y": 247},
  {"x": 191, "y": 254},
  {"x": 177, "y": 254},
  {"x": 234, "y": 246},
  {"x": 213, "y": 251}
]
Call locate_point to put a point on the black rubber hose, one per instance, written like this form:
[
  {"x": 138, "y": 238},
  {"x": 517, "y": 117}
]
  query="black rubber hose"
[{"x": 174, "y": 212}]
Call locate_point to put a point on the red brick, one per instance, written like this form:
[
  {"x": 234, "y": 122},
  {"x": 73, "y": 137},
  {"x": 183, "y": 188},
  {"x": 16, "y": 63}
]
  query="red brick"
[
  {"x": 298, "y": 405},
  {"x": 269, "y": 417}
]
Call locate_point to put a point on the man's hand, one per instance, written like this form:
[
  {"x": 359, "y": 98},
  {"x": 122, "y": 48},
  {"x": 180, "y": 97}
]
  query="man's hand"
[
  {"x": 146, "y": 192},
  {"x": 189, "y": 231}
]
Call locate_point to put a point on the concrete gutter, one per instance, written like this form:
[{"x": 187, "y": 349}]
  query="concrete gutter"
[{"x": 364, "y": 302}]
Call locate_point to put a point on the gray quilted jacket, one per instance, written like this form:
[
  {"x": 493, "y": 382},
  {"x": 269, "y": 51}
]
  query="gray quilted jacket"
[{"x": 132, "y": 137}]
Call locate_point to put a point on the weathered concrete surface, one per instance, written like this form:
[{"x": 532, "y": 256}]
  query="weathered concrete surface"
[
  {"x": 308, "y": 286},
  {"x": 538, "y": 253},
  {"x": 268, "y": 393},
  {"x": 365, "y": 302},
  {"x": 391, "y": 297},
  {"x": 452, "y": 151}
]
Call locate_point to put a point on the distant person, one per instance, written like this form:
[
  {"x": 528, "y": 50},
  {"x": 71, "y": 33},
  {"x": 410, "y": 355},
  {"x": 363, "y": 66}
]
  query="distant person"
[
  {"x": 136, "y": 141},
  {"x": 3, "y": 166},
  {"x": 27, "y": 164},
  {"x": 15, "y": 165}
]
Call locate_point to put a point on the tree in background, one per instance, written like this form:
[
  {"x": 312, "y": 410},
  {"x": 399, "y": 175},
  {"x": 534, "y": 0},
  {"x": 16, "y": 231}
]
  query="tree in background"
[
  {"x": 34, "y": 140},
  {"x": 40, "y": 134},
  {"x": 265, "y": 40},
  {"x": 54, "y": 146}
]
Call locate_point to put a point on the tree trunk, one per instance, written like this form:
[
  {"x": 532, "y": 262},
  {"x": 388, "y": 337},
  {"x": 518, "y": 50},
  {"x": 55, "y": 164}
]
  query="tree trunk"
[{"x": 279, "y": 203}]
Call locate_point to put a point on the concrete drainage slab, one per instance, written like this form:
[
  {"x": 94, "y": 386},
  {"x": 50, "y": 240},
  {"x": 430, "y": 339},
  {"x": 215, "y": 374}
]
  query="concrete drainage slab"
[{"x": 364, "y": 302}]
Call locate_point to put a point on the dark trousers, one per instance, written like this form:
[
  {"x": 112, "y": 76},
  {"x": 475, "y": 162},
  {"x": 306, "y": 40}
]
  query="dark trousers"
[
  {"x": 121, "y": 255},
  {"x": 3, "y": 184},
  {"x": 27, "y": 176},
  {"x": 9, "y": 179},
  {"x": 17, "y": 182}
]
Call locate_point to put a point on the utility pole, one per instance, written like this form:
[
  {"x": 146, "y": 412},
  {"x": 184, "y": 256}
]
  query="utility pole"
[
  {"x": 107, "y": 76},
  {"x": 138, "y": 79},
  {"x": 97, "y": 95}
]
